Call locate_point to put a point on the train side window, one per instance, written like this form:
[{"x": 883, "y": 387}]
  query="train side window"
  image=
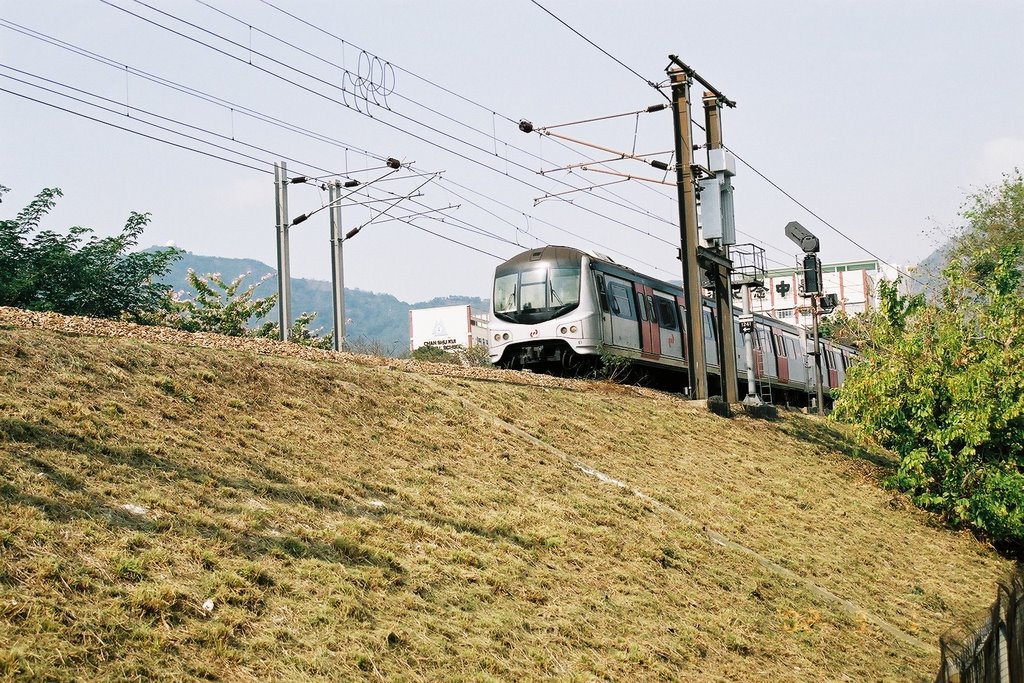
[
  {"x": 666, "y": 313},
  {"x": 620, "y": 298},
  {"x": 709, "y": 327},
  {"x": 652, "y": 312},
  {"x": 641, "y": 306}
]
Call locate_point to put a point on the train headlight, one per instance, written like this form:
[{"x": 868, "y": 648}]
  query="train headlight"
[
  {"x": 497, "y": 337},
  {"x": 564, "y": 329},
  {"x": 574, "y": 329},
  {"x": 505, "y": 336}
]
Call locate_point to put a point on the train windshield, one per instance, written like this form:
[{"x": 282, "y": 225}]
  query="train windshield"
[{"x": 535, "y": 292}]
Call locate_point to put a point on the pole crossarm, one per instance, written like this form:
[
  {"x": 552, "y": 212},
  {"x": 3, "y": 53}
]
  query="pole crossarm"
[
  {"x": 580, "y": 164},
  {"x": 692, "y": 73},
  {"x": 552, "y": 195},
  {"x": 418, "y": 214},
  {"x": 621, "y": 155},
  {"x": 528, "y": 127},
  {"x": 395, "y": 202},
  {"x": 628, "y": 176}
]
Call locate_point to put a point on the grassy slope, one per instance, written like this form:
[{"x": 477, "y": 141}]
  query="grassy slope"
[{"x": 354, "y": 521}]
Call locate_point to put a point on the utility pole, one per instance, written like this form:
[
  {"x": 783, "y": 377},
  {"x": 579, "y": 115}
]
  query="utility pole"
[
  {"x": 688, "y": 237},
  {"x": 337, "y": 265},
  {"x": 721, "y": 272},
  {"x": 284, "y": 280},
  {"x": 817, "y": 353},
  {"x": 803, "y": 238}
]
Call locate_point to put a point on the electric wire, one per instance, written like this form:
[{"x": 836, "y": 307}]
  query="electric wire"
[
  {"x": 350, "y": 107},
  {"x": 483, "y": 107},
  {"x": 153, "y": 114},
  {"x": 235, "y": 107},
  {"x": 215, "y": 156},
  {"x": 743, "y": 161},
  {"x": 192, "y": 92},
  {"x": 221, "y": 102},
  {"x": 603, "y": 51},
  {"x": 136, "y": 132}
]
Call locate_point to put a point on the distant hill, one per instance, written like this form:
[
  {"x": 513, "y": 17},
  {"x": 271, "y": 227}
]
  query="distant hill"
[{"x": 372, "y": 317}]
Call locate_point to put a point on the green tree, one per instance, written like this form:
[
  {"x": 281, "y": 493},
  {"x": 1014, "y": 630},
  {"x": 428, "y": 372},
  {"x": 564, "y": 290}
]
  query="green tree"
[
  {"x": 942, "y": 384},
  {"x": 995, "y": 221},
  {"x": 44, "y": 270},
  {"x": 224, "y": 308}
]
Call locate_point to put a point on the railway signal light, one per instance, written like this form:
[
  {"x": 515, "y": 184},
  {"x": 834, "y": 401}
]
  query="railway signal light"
[{"x": 812, "y": 275}]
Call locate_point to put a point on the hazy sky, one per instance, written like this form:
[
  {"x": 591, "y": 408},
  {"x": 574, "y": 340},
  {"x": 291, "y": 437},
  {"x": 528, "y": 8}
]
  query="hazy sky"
[{"x": 878, "y": 116}]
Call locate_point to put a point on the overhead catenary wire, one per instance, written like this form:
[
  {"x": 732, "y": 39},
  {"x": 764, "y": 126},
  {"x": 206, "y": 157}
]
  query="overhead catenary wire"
[
  {"x": 631, "y": 204},
  {"x": 603, "y": 51},
  {"x": 286, "y": 125},
  {"x": 582, "y": 237},
  {"x": 222, "y": 158},
  {"x": 350, "y": 107},
  {"x": 136, "y": 132},
  {"x": 738, "y": 157},
  {"x": 195, "y": 93}
]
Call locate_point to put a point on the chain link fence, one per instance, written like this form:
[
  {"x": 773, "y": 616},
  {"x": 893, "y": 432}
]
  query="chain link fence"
[{"x": 991, "y": 651}]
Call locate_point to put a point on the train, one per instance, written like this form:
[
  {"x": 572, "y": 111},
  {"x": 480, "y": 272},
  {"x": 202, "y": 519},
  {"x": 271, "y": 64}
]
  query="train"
[{"x": 561, "y": 309}]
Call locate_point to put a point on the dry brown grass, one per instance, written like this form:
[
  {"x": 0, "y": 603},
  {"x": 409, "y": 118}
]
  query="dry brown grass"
[{"x": 350, "y": 519}]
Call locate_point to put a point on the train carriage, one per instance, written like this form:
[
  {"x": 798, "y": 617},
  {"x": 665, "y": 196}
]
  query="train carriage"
[{"x": 560, "y": 308}]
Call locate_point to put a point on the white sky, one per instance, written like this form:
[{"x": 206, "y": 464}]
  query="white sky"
[{"x": 879, "y": 116}]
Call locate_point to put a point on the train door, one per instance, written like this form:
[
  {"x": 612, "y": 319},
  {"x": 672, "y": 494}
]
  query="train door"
[
  {"x": 681, "y": 310},
  {"x": 833, "y": 371},
  {"x": 741, "y": 349},
  {"x": 668, "y": 326},
  {"x": 764, "y": 357},
  {"x": 621, "y": 328},
  {"x": 798, "y": 375},
  {"x": 710, "y": 339},
  {"x": 781, "y": 358},
  {"x": 650, "y": 335}
]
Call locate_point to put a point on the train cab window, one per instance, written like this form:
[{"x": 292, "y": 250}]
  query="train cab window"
[
  {"x": 620, "y": 299},
  {"x": 565, "y": 286},
  {"x": 532, "y": 286},
  {"x": 666, "y": 313},
  {"x": 505, "y": 293}
]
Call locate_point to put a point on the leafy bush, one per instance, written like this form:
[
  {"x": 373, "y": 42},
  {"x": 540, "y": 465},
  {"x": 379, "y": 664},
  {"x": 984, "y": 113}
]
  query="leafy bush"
[
  {"x": 478, "y": 356},
  {"x": 942, "y": 384},
  {"x": 43, "y": 270},
  {"x": 433, "y": 354}
]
